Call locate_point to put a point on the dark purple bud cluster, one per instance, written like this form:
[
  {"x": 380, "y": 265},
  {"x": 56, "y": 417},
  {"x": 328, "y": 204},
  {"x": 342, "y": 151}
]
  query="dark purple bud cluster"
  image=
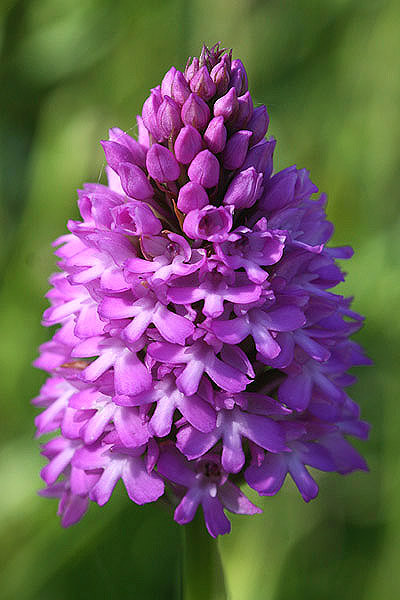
[{"x": 199, "y": 337}]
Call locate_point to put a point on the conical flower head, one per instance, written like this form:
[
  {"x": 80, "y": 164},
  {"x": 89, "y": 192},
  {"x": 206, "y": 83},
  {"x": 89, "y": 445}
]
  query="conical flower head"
[{"x": 199, "y": 337}]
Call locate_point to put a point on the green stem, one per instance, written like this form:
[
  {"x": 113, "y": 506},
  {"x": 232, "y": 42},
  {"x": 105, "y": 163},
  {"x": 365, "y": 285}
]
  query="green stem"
[{"x": 202, "y": 572}]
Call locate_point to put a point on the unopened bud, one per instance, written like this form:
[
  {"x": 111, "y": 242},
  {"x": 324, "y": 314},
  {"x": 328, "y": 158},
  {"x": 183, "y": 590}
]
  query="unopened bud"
[
  {"x": 149, "y": 114},
  {"x": 143, "y": 133},
  {"x": 236, "y": 150},
  {"x": 202, "y": 84},
  {"x": 166, "y": 84},
  {"x": 215, "y": 135},
  {"x": 245, "y": 111},
  {"x": 134, "y": 182},
  {"x": 239, "y": 77},
  {"x": 220, "y": 75},
  {"x": 227, "y": 105},
  {"x": 258, "y": 124},
  {"x": 137, "y": 150},
  {"x": 204, "y": 169},
  {"x": 162, "y": 164},
  {"x": 260, "y": 157},
  {"x": 187, "y": 144},
  {"x": 195, "y": 112},
  {"x": 192, "y": 196},
  {"x": 169, "y": 117},
  {"x": 245, "y": 189},
  {"x": 180, "y": 91},
  {"x": 191, "y": 69}
]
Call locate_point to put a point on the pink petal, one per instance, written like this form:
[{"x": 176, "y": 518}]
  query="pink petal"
[
  {"x": 216, "y": 521},
  {"x": 142, "y": 487},
  {"x": 234, "y": 500}
]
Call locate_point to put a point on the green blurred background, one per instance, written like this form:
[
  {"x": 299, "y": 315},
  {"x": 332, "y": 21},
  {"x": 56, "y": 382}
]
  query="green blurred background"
[{"x": 328, "y": 71}]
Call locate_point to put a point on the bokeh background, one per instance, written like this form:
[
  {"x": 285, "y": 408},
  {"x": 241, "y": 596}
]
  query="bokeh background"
[{"x": 329, "y": 74}]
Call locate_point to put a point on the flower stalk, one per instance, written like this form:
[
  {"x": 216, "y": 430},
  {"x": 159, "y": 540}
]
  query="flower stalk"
[{"x": 202, "y": 570}]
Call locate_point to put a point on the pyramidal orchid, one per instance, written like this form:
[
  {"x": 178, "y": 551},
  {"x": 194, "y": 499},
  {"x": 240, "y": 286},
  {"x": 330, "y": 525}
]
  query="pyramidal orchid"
[{"x": 200, "y": 345}]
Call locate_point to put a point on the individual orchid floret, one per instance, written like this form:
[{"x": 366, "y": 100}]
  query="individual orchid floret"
[
  {"x": 227, "y": 106},
  {"x": 169, "y": 117},
  {"x": 167, "y": 82},
  {"x": 187, "y": 144},
  {"x": 134, "y": 181},
  {"x": 202, "y": 84},
  {"x": 136, "y": 219},
  {"x": 200, "y": 358},
  {"x": 208, "y": 223},
  {"x": 252, "y": 249},
  {"x": 258, "y": 124},
  {"x": 260, "y": 157},
  {"x": 192, "y": 196},
  {"x": 220, "y": 74},
  {"x": 238, "y": 77},
  {"x": 215, "y": 135},
  {"x": 116, "y": 463},
  {"x": 143, "y": 312},
  {"x": 232, "y": 425},
  {"x": 149, "y": 114},
  {"x": 268, "y": 478},
  {"x": 207, "y": 485},
  {"x": 204, "y": 169},
  {"x": 162, "y": 164},
  {"x": 180, "y": 90},
  {"x": 245, "y": 110},
  {"x": 245, "y": 189},
  {"x": 195, "y": 112},
  {"x": 117, "y": 153},
  {"x": 236, "y": 149}
]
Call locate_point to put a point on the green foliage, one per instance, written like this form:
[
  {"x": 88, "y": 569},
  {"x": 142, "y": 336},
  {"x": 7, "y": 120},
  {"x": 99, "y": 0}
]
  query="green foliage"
[{"x": 328, "y": 72}]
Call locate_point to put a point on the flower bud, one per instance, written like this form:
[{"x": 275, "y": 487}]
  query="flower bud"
[
  {"x": 134, "y": 182},
  {"x": 258, "y": 124},
  {"x": 209, "y": 223},
  {"x": 135, "y": 218},
  {"x": 215, "y": 135},
  {"x": 202, "y": 84},
  {"x": 180, "y": 91},
  {"x": 166, "y": 84},
  {"x": 191, "y": 69},
  {"x": 244, "y": 189},
  {"x": 195, "y": 112},
  {"x": 143, "y": 133},
  {"x": 279, "y": 190},
  {"x": 162, "y": 164},
  {"x": 136, "y": 149},
  {"x": 187, "y": 144},
  {"x": 205, "y": 56},
  {"x": 192, "y": 196},
  {"x": 220, "y": 75},
  {"x": 169, "y": 117},
  {"x": 117, "y": 154},
  {"x": 236, "y": 149},
  {"x": 260, "y": 157},
  {"x": 204, "y": 169},
  {"x": 245, "y": 111},
  {"x": 149, "y": 114},
  {"x": 238, "y": 77},
  {"x": 227, "y": 105}
]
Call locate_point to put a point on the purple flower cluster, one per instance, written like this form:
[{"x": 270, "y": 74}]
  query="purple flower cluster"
[{"x": 199, "y": 345}]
